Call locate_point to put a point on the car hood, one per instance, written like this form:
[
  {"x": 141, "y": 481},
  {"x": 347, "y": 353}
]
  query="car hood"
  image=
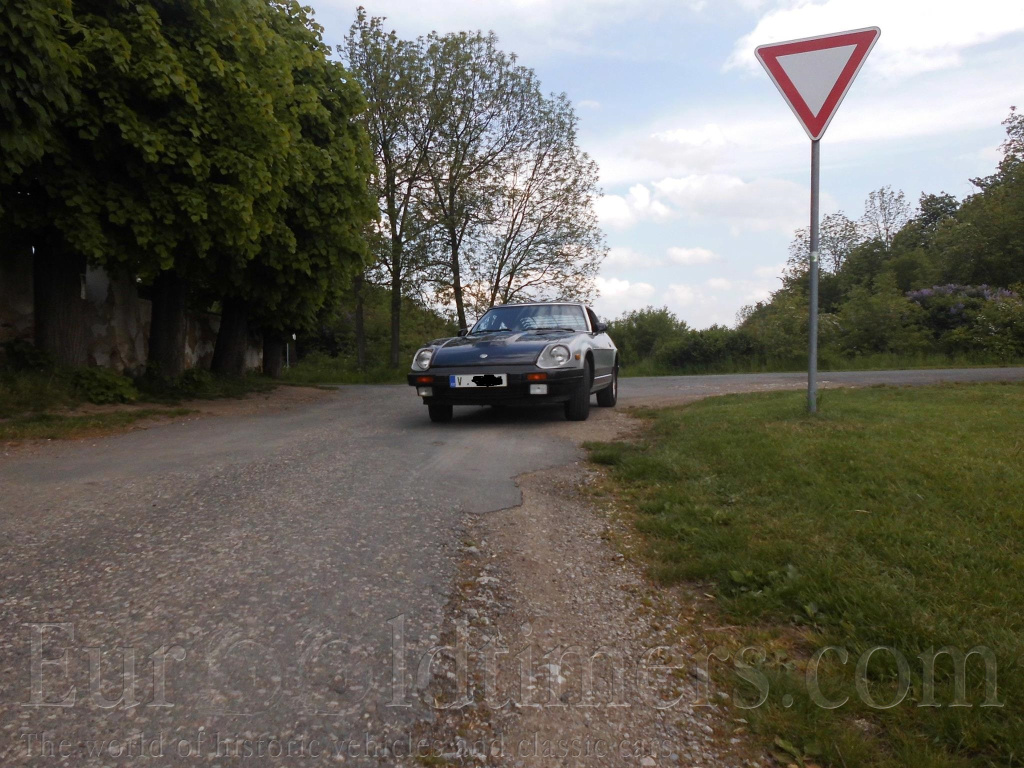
[{"x": 501, "y": 348}]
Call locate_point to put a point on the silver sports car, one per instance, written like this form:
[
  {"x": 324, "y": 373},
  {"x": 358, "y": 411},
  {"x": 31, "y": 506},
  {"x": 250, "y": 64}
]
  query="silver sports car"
[{"x": 518, "y": 354}]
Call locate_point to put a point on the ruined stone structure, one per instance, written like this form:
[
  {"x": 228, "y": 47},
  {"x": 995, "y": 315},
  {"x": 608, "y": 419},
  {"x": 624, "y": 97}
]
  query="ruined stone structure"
[{"x": 118, "y": 319}]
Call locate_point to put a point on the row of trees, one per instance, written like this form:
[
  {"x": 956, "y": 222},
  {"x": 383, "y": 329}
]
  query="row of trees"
[
  {"x": 484, "y": 195},
  {"x": 947, "y": 278},
  {"x": 213, "y": 151}
]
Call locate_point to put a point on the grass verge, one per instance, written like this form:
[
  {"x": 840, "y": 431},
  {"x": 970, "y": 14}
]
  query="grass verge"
[
  {"x": 827, "y": 363},
  {"x": 321, "y": 369},
  {"x": 892, "y": 520},
  {"x": 43, "y": 426}
]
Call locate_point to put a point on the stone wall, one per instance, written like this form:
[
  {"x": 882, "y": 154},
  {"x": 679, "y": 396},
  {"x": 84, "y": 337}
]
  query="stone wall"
[
  {"x": 118, "y": 320},
  {"x": 15, "y": 297}
]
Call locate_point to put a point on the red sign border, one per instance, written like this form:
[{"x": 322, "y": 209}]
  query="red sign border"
[{"x": 768, "y": 55}]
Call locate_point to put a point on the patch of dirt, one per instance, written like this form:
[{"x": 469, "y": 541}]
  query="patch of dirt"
[{"x": 573, "y": 657}]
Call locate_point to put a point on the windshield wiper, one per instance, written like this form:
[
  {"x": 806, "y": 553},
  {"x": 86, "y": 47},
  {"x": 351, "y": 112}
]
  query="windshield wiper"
[
  {"x": 498, "y": 330},
  {"x": 555, "y": 328}
]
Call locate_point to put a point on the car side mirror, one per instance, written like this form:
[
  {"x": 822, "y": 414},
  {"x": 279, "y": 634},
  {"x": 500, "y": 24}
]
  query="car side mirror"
[
  {"x": 463, "y": 331},
  {"x": 601, "y": 328}
]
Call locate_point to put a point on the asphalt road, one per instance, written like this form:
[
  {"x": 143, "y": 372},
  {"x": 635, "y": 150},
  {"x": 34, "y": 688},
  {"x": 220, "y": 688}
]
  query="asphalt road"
[{"x": 271, "y": 576}]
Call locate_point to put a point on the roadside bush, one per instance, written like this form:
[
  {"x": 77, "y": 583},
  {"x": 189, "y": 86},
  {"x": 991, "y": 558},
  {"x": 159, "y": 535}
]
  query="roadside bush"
[
  {"x": 996, "y": 330},
  {"x": 21, "y": 355},
  {"x": 881, "y": 320},
  {"x": 705, "y": 348},
  {"x": 640, "y": 332},
  {"x": 948, "y": 307},
  {"x": 102, "y": 386},
  {"x": 193, "y": 382}
]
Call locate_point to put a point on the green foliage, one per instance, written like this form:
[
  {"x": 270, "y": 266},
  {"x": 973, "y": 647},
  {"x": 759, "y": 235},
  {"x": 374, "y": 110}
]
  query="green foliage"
[
  {"x": 320, "y": 368},
  {"x": 693, "y": 350},
  {"x": 880, "y": 320},
  {"x": 36, "y": 73},
  {"x": 997, "y": 329},
  {"x": 638, "y": 333},
  {"x": 335, "y": 330},
  {"x": 103, "y": 386},
  {"x": 900, "y": 531},
  {"x": 200, "y": 384},
  {"x": 20, "y": 355},
  {"x": 32, "y": 391}
]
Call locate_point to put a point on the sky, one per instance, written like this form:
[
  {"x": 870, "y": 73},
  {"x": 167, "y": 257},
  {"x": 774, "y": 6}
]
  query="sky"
[{"x": 704, "y": 169}]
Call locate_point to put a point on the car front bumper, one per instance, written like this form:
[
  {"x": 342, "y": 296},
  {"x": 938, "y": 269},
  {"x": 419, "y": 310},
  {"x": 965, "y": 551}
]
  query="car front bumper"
[{"x": 560, "y": 385}]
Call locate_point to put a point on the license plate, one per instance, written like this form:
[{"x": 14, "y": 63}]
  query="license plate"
[{"x": 485, "y": 380}]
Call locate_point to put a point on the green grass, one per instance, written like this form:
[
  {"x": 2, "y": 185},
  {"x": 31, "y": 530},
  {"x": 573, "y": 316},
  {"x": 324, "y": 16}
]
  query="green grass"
[
  {"x": 198, "y": 384},
  {"x": 827, "y": 362},
  {"x": 894, "y": 518},
  {"x": 43, "y": 426},
  {"x": 30, "y": 392},
  {"x": 322, "y": 369}
]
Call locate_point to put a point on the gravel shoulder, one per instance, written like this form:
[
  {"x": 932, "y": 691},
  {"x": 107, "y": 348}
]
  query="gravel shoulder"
[{"x": 576, "y": 658}]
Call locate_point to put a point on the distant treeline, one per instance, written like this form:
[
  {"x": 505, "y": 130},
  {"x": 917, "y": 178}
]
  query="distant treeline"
[{"x": 943, "y": 282}]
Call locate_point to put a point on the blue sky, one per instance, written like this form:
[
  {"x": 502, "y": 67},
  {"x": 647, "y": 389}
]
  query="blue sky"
[{"x": 704, "y": 168}]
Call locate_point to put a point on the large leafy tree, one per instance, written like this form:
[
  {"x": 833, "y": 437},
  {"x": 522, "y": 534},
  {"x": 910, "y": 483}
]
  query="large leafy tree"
[
  {"x": 167, "y": 158},
  {"x": 540, "y": 237},
  {"x": 317, "y": 241},
  {"x": 398, "y": 118},
  {"x": 483, "y": 105}
]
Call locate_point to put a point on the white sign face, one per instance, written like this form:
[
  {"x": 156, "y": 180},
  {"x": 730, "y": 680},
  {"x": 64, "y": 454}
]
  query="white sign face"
[{"x": 814, "y": 74}]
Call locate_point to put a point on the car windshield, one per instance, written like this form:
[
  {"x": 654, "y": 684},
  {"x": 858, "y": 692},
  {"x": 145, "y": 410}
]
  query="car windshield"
[{"x": 533, "y": 317}]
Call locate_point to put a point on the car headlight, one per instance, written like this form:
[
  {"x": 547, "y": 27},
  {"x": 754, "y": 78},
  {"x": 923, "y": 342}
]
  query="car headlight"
[
  {"x": 421, "y": 361},
  {"x": 554, "y": 356}
]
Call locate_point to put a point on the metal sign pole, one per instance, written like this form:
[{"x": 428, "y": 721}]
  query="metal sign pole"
[{"x": 812, "y": 348}]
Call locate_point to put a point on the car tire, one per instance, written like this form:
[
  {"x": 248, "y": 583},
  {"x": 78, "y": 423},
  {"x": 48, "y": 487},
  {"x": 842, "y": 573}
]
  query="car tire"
[
  {"x": 440, "y": 413},
  {"x": 577, "y": 407},
  {"x": 608, "y": 396}
]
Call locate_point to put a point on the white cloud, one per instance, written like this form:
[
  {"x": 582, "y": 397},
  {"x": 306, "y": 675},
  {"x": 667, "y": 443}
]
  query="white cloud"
[
  {"x": 917, "y": 35},
  {"x": 535, "y": 29},
  {"x": 759, "y": 205},
  {"x": 682, "y": 295},
  {"x": 618, "y": 296},
  {"x": 691, "y": 256},
  {"x": 627, "y": 257},
  {"x": 620, "y": 212},
  {"x": 588, "y": 104},
  {"x": 719, "y": 284},
  {"x": 774, "y": 270}
]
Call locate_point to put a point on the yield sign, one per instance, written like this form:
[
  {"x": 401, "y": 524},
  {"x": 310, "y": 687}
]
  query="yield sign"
[{"x": 814, "y": 74}]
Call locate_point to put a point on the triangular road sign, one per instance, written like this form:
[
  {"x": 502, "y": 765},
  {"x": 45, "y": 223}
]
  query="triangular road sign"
[{"x": 814, "y": 74}]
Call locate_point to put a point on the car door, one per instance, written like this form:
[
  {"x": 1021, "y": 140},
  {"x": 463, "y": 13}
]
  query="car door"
[{"x": 604, "y": 350}]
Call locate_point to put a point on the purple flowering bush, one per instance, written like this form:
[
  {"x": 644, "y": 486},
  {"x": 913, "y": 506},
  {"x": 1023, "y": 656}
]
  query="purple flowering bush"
[{"x": 950, "y": 307}]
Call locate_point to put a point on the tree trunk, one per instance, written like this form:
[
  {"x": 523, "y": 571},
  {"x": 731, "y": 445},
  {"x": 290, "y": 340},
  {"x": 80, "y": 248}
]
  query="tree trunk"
[
  {"x": 460, "y": 307},
  {"x": 168, "y": 327},
  {"x": 59, "y": 310},
  {"x": 396, "y": 301},
  {"x": 360, "y": 323},
  {"x": 273, "y": 354},
  {"x": 232, "y": 339}
]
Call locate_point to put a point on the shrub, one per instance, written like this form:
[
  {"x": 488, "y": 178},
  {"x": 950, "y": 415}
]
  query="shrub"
[
  {"x": 22, "y": 355},
  {"x": 193, "y": 382},
  {"x": 881, "y": 320},
  {"x": 102, "y": 386},
  {"x": 996, "y": 330},
  {"x": 639, "y": 332},
  {"x": 948, "y": 307}
]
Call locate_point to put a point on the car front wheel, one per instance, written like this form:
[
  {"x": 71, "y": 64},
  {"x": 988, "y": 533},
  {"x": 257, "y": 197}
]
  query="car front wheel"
[
  {"x": 440, "y": 413},
  {"x": 577, "y": 407}
]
